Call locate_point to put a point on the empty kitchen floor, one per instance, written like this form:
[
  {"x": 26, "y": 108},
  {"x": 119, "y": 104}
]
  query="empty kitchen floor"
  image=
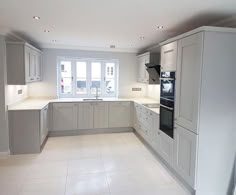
[{"x": 103, "y": 164}]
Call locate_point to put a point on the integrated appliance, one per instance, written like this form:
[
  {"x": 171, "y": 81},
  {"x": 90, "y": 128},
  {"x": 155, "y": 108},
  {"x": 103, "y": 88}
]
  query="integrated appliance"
[
  {"x": 154, "y": 73},
  {"x": 167, "y": 84}
]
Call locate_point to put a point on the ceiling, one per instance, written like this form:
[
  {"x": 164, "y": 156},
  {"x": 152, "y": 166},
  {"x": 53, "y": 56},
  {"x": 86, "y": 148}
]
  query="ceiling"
[{"x": 97, "y": 24}]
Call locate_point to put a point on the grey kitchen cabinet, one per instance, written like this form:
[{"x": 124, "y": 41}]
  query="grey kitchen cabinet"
[
  {"x": 169, "y": 56},
  {"x": 188, "y": 81},
  {"x": 28, "y": 129},
  {"x": 205, "y": 109},
  {"x": 44, "y": 123},
  {"x": 100, "y": 115},
  {"x": 166, "y": 147},
  {"x": 65, "y": 116},
  {"x": 24, "y": 64},
  {"x": 185, "y": 154},
  {"x": 142, "y": 75},
  {"x": 119, "y": 114},
  {"x": 85, "y": 117}
]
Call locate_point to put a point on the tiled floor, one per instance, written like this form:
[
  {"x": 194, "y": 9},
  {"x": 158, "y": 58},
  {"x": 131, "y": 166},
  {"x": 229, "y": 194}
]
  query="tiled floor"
[{"x": 104, "y": 164}]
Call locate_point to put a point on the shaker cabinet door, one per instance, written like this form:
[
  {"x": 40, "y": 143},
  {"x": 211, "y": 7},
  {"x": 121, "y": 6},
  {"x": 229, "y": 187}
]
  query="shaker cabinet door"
[
  {"x": 188, "y": 81},
  {"x": 168, "y": 57},
  {"x": 185, "y": 154},
  {"x": 119, "y": 114},
  {"x": 85, "y": 120},
  {"x": 65, "y": 116}
]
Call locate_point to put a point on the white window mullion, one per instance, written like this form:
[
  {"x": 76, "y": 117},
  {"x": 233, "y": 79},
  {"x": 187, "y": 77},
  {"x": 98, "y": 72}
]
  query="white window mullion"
[
  {"x": 103, "y": 84},
  {"x": 89, "y": 82},
  {"x": 73, "y": 68}
]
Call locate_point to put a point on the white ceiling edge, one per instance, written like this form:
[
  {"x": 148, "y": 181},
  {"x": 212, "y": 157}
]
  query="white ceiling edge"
[{"x": 74, "y": 47}]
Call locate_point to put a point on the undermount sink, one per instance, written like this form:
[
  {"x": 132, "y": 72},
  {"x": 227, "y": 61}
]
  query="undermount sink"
[
  {"x": 93, "y": 99},
  {"x": 151, "y": 105}
]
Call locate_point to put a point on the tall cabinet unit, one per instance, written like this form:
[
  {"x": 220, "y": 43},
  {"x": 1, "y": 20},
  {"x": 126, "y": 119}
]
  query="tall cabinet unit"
[
  {"x": 24, "y": 63},
  {"x": 204, "y": 146}
]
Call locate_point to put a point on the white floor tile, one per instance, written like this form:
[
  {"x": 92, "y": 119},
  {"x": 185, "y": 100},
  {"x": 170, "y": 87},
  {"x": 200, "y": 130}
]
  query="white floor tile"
[
  {"x": 85, "y": 166},
  {"x": 104, "y": 164},
  {"x": 92, "y": 184},
  {"x": 50, "y": 186}
]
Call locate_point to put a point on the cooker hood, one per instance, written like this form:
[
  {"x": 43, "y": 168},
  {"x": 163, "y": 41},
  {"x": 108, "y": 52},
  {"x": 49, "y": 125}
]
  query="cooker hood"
[{"x": 154, "y": 73}]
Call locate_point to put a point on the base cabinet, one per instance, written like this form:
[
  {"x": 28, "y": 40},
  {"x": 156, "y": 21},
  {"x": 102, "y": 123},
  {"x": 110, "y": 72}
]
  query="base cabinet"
[
  {"x": 119, "y": 114},
  {"x": 27, "y": 129},
  {"x": 85, "y": 117},
  {"x": 100, "y": 115},
  {"x": 166, "y": 147},
  {"x": 185, "y": 149},
  {"x": 65, "y": 116},
  {"x": 44, "y": 123}
]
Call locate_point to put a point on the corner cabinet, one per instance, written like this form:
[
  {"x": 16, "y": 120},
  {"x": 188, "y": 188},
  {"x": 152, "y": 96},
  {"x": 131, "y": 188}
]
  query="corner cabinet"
[
  {"x": 24, "y": 63},
  {"x": 189, "y": 63}
]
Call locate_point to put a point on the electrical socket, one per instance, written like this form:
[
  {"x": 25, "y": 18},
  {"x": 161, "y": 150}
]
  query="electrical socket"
[
  {"x": 20, "y": 91},
  {"x": 136, "y": 89}
]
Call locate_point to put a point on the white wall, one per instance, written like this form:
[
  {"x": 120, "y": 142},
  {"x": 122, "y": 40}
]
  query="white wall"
[
  {"x": 153, "y": 91},
  {"x": 127, "y": 72},
  {"x": 4, "y": 137},
  {"x": 12, "y": 95}
]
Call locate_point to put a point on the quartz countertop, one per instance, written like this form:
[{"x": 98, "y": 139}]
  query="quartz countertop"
[{"x": 39, "y": 103}]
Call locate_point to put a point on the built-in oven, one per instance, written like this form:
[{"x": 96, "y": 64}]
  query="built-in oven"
[
  {"x": 167, "y": 84},
  {"x": 167, "y": 117}
]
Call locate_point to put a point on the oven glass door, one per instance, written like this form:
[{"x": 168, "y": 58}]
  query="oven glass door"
[
  {"x": 167, "y": 120},
  {"x": 167, "y": 88}
]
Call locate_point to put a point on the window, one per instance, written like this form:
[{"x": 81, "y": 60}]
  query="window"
[{"x": 82, "y": 77}]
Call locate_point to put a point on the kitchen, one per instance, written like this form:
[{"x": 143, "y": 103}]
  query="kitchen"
[{"x": 153, "y": 117}]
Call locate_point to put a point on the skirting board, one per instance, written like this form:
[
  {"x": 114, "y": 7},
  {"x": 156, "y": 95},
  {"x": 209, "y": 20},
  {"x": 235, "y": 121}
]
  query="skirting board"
[
  {"x": 89, "y": 131},
  {"x": 165, "y": 164},
  {"x": 4, "y": 155}
]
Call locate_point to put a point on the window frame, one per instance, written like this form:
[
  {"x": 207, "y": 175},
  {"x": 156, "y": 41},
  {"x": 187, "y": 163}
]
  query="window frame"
[{"x": 88, "y": 78}]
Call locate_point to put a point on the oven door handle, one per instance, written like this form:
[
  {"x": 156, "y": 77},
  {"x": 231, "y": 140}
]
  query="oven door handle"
[
  {"x": 166, "y": 79},
  {"x": 169, "y": 108}
]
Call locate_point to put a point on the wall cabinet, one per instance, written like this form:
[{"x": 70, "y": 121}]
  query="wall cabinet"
[
  {"x": 188, "y": 78},
  {"x": 169, "y": 56},
  {"x": 185, "y": 149},
  {"x": 143, "y": 59},
  {"x": 24, "y": 63},
  {"x": 65, "y": 116},
  {"x": 119, "y": 114}
]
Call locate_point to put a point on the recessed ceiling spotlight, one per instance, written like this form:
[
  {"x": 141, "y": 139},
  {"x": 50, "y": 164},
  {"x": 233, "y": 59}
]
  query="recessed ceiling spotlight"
[
  {"x": 141, "y": 38},
  {"x": 36, "y": 17},
  {"x": 46, "y": 31},
  {"x": 112, "y": 46},
  {"x": 160, "y": 27}
]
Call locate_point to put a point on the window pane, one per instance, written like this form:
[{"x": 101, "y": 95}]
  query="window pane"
[
  {"x": 96, "y": 77},
  {"x": 110, "y": 78},
  {"x": 81, "y": 78},
  {"x": 66, "y": 77}
]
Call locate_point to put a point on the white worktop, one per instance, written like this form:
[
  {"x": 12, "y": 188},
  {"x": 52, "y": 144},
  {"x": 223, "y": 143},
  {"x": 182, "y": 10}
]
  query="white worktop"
[{"x": 38, "y": 104}]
